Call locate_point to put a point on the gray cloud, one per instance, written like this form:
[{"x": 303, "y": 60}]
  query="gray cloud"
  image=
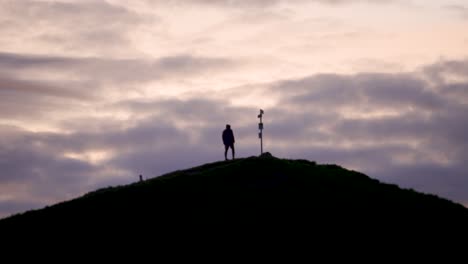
[
  {"x": 19, "y": 61},
  {"x": 443, "y": 71},
  {"x": 263, "y": 3},
  {"x": 39, "y": 88},
  {"x": 114, "y": 70},
  {"x": 362, "y": 90},
  {"x": 413, "y": 103},
  {"x": 81, "y": 82},
  {"x": 72, "y": 12},
  {"x": 27, "y": 155},
  {"x": 81, "y": 26},
  {"x": 462, "y": 11},
  {"x": 190, "y": 109},
  {"x": 32, "y": 99}
]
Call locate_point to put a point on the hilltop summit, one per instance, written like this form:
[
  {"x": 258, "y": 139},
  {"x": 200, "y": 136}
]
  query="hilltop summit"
[{"x": 254, "y": 191}]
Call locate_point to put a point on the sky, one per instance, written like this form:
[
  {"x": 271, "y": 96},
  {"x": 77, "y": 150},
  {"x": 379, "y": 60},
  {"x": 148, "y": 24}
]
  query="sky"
[{"x": 94, "y": 92}]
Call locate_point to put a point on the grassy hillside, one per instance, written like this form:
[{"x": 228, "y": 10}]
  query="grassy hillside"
[{"x": 255, "y": 191}]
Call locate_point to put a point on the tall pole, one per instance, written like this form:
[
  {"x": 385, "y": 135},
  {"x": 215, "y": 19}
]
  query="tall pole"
[
  {"x": 260, "y": 127},
  {"x": 261, "y": 137}
]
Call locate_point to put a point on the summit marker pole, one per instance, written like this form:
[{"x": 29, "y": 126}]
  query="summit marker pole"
[{"x": 260, "y": 127}]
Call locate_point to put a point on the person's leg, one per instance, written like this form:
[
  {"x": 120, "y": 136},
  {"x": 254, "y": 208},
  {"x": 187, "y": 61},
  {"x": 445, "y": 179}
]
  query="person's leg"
[
  {"x": 233, "y": 151},
  {"x": 226, "y": 147}
]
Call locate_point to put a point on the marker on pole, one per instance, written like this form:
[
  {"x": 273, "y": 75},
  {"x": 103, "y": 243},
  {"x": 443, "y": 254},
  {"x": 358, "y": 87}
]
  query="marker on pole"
[{"x": 260, "y": 127}]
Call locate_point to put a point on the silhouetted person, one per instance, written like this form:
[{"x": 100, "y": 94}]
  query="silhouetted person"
[{"x": 228, "y": 140}]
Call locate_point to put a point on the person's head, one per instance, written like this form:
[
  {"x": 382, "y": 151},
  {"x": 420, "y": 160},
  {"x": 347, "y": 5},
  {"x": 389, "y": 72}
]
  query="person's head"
[{"x": 228, "y": 126}]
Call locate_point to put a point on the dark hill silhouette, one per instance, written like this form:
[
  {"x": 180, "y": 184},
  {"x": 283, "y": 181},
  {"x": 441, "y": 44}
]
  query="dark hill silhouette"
[{"x": 256, "y": 193}]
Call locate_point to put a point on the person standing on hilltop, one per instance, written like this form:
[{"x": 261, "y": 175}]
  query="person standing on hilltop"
[{"x": 228, "y": 140}]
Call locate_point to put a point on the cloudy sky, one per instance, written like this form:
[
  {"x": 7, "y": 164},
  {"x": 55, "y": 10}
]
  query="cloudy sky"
[{"x": 95, "y": 92}]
